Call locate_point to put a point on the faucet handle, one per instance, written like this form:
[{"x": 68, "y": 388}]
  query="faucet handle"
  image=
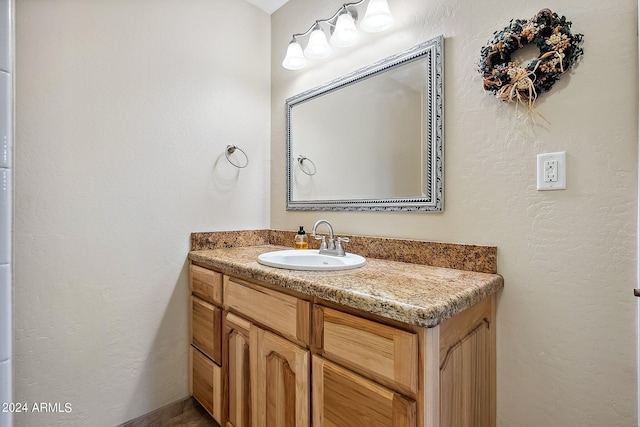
[
  {"x": 323, "y": 244},
  {"x": 339, "y": 247}
]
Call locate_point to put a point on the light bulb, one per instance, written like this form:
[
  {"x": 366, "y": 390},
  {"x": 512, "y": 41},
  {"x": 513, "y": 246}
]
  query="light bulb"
[
  {"x": 317, "y": 47},
  {"x": 294, "y": 60},
  {"x": 345, "y": 33},
  {"x": 377, "y": 17}
]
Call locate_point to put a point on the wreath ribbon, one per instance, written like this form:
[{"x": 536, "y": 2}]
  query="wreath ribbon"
[{"x": 523, "y": 82}]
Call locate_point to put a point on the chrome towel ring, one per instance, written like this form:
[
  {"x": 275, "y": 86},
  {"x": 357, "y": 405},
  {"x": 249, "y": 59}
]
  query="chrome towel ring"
[
  {"x": 232, "y": 149},
  {"x": 301, "y": 160}
]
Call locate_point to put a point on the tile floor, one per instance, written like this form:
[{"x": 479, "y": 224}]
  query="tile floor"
[
  {"x": 194, "y": 415},
  {"x": 188, "y": 413}
]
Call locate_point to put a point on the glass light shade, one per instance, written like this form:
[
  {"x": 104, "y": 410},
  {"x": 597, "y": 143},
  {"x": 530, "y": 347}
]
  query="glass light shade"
[
  {"x": 345, "y": 34},
  {"x": 317, "y": 47},
  {"x": 377, "y": 17},
  {"x": 295, "y": 59}
]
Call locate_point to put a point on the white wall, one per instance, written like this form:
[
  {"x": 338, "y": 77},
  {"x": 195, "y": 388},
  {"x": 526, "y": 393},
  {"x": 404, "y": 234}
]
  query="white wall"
[
  {"x": 6, "y": 205},
  {"x": 123, "y": 109},
  {"x": 566, "y": 317}
]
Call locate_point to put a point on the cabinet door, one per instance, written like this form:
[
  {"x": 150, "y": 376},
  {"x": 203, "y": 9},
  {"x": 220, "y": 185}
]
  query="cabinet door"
[
  {"x": 206, "y": 328},
  {"x": 279, "y": 381},
  {"x": 342, "y": 398},
  {"x": 238, "y": 384}
]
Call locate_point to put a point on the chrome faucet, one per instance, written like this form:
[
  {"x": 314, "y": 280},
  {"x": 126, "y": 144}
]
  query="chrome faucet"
[{"x": 333, "y": 246}]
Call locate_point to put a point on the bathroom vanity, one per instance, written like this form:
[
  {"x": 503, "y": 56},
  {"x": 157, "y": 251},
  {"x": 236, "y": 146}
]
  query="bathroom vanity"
[{"x": 388, "y": 344}]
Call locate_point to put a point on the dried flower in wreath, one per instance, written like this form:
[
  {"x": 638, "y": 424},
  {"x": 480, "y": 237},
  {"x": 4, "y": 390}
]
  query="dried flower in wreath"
[{"x": 511, "y": 81}]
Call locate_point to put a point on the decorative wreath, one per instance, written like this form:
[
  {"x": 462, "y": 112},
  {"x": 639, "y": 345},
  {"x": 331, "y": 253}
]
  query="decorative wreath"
[{"x": 512, "y": 82}]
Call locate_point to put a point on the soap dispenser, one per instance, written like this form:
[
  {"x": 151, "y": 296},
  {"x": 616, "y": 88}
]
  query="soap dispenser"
[{"x": 302, "y": 241}]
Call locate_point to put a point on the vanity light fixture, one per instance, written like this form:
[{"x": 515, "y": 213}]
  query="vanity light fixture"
[
  {"x": 295, "y": 59},
  {"x": 318, "y": 47},
  {"x": 345, "y": 33},
  {"x": 377, "y": 18},
  {"x": 342, "y": 29}
]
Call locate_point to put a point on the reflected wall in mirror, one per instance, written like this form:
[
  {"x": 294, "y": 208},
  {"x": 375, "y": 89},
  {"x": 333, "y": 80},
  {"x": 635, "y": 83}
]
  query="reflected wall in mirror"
[{"x": 371, "y": 140}]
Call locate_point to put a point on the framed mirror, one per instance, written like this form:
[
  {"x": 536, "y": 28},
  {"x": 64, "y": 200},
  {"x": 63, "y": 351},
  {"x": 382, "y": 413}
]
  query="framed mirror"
[{"x": 371, "y": 140}]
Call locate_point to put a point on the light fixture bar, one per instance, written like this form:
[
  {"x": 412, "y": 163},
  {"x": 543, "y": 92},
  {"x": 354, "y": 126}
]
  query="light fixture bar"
[{"x": 344, "y": 33}]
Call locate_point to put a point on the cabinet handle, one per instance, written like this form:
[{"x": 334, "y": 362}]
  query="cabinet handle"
[{"x": 636, "y": 292}]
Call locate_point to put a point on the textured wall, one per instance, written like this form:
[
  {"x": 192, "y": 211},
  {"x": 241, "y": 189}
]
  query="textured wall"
[
  {"x": 6, "y": 205},
  {"x": 123, "y": 108},
  {"x": 566, "y": 318}
]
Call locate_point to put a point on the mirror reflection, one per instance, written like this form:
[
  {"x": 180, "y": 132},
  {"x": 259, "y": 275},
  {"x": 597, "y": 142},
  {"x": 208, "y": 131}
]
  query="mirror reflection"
[{"x": 371, "y": 140}]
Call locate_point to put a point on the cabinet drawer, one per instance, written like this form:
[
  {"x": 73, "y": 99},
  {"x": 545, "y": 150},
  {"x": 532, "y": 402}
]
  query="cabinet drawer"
[
  {"x": 206, "y": 284},
  {"x": 388, "y": 355},
  {"x": 342, "y": 398},
  {"x": 206, "y": 383},
  {"x": 206, "y": 328},
  {"x": 282, "y": 313}
]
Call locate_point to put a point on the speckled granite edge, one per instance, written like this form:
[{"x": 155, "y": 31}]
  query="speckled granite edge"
[
  {"x": 410, "y": 293},
  {"x": 482, "y": 259}
]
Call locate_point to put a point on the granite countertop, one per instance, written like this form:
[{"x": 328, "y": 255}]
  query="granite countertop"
[{"x": 416, "y": 294}]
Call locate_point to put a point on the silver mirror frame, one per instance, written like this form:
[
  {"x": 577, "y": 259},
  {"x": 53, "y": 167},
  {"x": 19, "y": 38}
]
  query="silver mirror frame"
[{"x": 432, "y": 52}]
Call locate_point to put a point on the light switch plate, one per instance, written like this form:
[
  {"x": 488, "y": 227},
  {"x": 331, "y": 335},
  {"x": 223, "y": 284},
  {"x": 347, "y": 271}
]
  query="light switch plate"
[{"x": 552, "y": 171}]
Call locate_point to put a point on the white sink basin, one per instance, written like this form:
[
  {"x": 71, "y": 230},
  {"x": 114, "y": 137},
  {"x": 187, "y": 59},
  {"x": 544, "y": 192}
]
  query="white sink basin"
[{"x": 310, "y": 260}]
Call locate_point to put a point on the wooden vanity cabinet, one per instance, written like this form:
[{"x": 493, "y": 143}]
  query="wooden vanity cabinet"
[
  {"x": 269, "y": 330},
  {"x": 279, "y": 381},
  {"x": 206, "y": 284},
  {"x": 205, "y": 379},
  {"x": 343, "y": 398},
  {"x": 205, "y": 382},
  {"x": 285, "y": 314},
  {"x": 206, "y": 327},
  {"x": 237, "y": 381},
  {"x": 368, "y": 374},
  {"x": 267, "y": 380},
  {"x": 292, "y": 361},
  {"x": 386, "y": 354},
  {"x": 467, "y": 361}
]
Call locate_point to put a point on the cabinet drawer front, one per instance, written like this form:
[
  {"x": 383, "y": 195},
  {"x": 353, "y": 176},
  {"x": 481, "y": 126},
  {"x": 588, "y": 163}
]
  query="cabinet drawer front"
[
  {"x": 206, "y": 284},
  {"x": 343, "y": 398},
  {"x": 382, "y": 352},
  {"x": 206, "y": 328},
  {"x": 285, "y": 314},
  {"x": 206, "y": 383}
]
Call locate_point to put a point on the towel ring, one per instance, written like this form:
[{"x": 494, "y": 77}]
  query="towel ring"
[
  {"x": 301, "y": 160},
  {"x": 230, "y": 150}
]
